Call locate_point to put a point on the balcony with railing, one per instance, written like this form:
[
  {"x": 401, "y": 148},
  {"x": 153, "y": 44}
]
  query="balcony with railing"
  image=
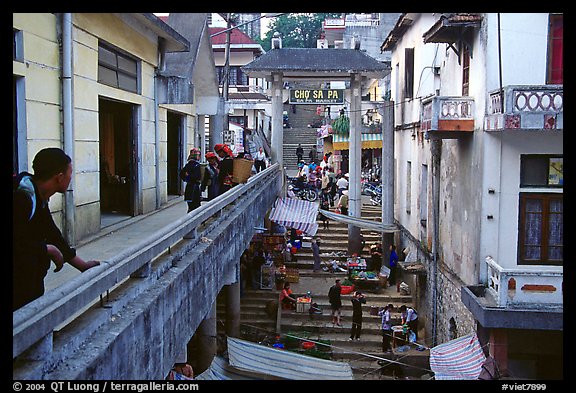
[
  {"x": 518, "y": 298},
  {"x": 536, "y": 107},
  {"x": 524, "y": 287},
  {"x": 447, "y": 117}
]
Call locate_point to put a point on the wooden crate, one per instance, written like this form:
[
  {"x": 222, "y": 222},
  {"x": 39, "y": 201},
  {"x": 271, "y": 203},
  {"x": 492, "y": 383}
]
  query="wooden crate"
[{"x": 292, "y": 275}]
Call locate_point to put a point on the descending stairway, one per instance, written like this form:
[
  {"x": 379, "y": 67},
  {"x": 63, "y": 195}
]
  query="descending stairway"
[
  {"x": 299, "y": 132},
  {"x": 363, "y": 355}
]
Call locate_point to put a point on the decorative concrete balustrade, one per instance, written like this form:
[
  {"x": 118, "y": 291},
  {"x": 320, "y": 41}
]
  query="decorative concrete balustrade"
[
  {"x": 536, "y": 107},
  {"x": 447, "y": 117}
]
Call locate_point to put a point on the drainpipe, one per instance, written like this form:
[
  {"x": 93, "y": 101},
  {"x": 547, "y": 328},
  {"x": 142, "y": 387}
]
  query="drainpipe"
[
  {"x": 159, "y": 68},
  {"x": 500, "y": 66},
  {"x": 67, "y": 114},
  {"x": 436, "y": 150}
]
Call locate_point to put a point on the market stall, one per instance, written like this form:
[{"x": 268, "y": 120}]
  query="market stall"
[{"x": 363, "y": 279}]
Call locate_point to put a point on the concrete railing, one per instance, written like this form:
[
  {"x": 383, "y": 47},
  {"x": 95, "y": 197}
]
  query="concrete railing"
[
  {"x": 525, "y": 287},
  {"x": 440, "y": 113},
  {"x": 34, "y": 324},
  {"x": 537, "y": 107}
]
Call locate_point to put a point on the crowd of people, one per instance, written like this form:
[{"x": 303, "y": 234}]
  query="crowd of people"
[
  {"x": 408, "y": 317},
  {"x": 332, "y": 187},
  {"x": 217, "y": 176}
]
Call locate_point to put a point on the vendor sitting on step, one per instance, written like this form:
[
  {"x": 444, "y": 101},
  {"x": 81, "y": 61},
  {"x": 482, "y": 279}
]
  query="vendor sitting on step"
[{"x": 286, "y": 299}]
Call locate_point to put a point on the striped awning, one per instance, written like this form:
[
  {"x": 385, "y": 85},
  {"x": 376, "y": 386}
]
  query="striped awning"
[
  {"x": 285, "y": 364},
  {"x": 296, "y": 213},
  {"x": 461, "y": 358},
  {"x": 369, "y": 141}
]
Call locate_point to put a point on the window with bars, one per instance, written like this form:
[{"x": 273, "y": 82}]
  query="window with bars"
[
  {"x": 236, "y": 78},
  {"x": 541, "y": 230},
  {"x": 117, "y": 69}
]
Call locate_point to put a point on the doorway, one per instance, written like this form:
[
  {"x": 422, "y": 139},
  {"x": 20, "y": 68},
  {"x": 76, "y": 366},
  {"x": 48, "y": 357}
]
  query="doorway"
[
  {"x": 175, "y": 125},
  {"x": 117, "y": 157}
]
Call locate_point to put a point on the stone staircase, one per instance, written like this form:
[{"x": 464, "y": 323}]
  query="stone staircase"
[
  {"x": 256, "y": 321},
  {"x": 299, "y": 132},
  {"x": 365, "y": 356},
  {"x": 335, "y": 239}
]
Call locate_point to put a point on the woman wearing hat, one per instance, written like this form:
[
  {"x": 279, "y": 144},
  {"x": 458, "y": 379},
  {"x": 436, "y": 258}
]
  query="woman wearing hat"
[
  {"x": 226, "y": 166},
  {"x": 191, "y": 174},
  {"x": 210, "y": 180}
]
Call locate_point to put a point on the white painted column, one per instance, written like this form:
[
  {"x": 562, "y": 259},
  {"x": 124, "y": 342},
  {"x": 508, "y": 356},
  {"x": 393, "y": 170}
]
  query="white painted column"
[
  {"x": 277, "y": 129},
  {"x": 355, "y": 163}
]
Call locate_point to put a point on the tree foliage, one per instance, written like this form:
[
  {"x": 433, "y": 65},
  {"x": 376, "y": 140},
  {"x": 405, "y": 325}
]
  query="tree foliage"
[{"x": 300, "y": 30}]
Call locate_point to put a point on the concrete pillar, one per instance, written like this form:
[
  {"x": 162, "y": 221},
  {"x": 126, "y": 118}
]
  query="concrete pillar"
[
  {"x": 207, "y": 345},
  {"x": 499, "y": 349},
  {"x": 277, "y": 129},
  {"x": 233, "y": 309},
  {"x": 387, "y": 178},
  {"x": 355, "y": 163}
]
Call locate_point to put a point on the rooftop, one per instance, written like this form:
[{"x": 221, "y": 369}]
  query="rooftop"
[{"x": 308, "y": 62}]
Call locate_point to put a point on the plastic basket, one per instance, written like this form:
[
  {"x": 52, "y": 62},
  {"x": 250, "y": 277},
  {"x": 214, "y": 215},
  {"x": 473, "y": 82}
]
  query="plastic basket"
[{"x": 242, "y": 170}]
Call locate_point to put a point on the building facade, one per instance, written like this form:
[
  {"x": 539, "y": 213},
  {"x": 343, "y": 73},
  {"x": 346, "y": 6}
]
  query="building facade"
[
  {"x": 89, "y": 83},
  {"x": 478, "y": 179},
  {"x": 248, "y": 101}
]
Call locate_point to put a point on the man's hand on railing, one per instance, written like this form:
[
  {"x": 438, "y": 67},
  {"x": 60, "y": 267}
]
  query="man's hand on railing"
[{"x": 81, "y": 264}]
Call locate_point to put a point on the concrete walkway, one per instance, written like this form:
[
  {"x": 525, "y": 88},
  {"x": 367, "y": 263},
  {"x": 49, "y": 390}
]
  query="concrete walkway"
[{"x": 115, "y": 238}]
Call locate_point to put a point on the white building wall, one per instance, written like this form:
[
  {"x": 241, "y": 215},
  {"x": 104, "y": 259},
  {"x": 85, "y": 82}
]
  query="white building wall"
[
  {"x": 516, "y": 143},
  {"x": 524, "y": 60},
  {"x": 524, "y": 47}
]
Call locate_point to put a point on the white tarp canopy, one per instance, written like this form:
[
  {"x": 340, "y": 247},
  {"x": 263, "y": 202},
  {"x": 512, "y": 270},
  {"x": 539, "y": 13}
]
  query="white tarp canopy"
[
  {"x": 360, "y": 222},
  {"x": 296, "y": 213},
  {"x": 246, "y": 355},
  {"x": 221, "y": 370}
]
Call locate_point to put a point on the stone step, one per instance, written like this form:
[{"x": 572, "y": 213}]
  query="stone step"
[{"x": 368, "y": 321}]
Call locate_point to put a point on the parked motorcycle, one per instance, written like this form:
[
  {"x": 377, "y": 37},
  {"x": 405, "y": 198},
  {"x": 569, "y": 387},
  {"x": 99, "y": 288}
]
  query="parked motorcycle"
[
  {"x": 303, "y": 191},
  {"x": 374, "y": 190}
]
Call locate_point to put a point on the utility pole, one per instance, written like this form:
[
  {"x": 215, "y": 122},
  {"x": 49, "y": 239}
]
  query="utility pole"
[{"x": 226, "y": 83}]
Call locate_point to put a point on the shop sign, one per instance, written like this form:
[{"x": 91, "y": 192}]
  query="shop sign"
[{"x": 316, "y": 96}]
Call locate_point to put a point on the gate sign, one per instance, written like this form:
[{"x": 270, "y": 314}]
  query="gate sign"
[{"x": 316, "y": 96}]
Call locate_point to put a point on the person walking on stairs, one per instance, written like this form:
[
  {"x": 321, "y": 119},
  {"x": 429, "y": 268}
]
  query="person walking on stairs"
[{"x": 299, "y": 153}]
